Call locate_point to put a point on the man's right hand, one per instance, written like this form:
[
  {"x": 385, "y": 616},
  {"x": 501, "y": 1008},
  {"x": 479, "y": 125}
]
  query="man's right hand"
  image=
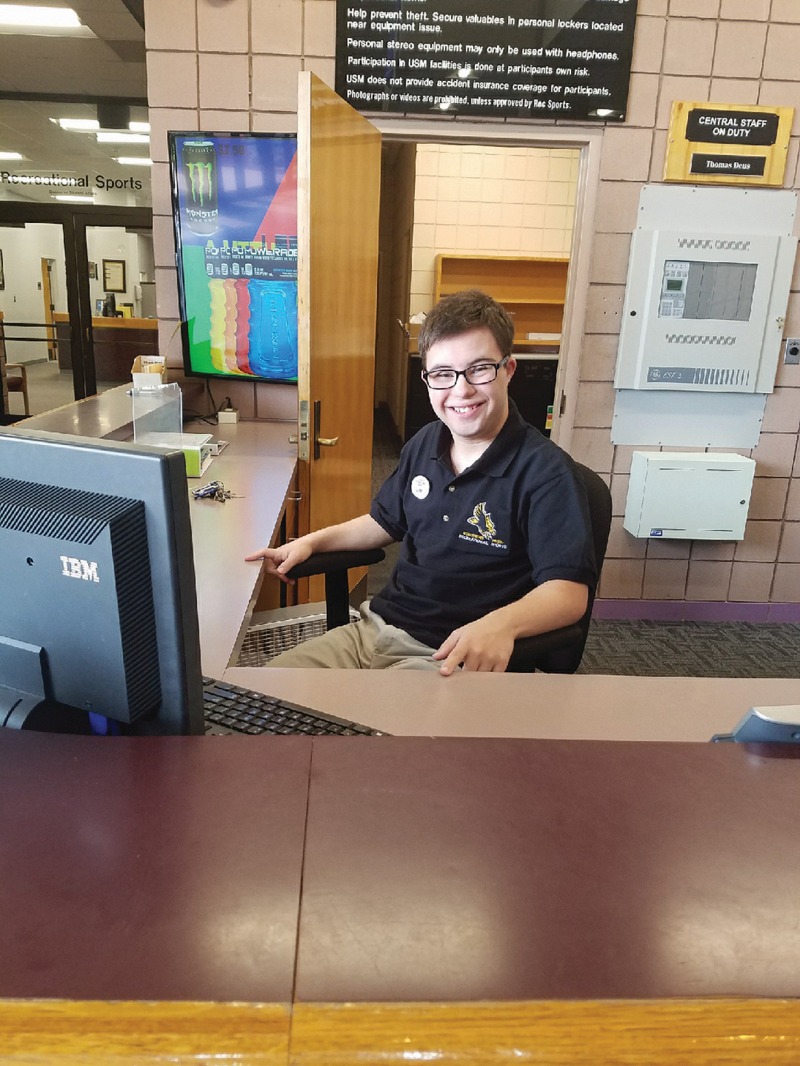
[
  {"x": 279, "y": 561},
  {"x": 354, "y": 535}
]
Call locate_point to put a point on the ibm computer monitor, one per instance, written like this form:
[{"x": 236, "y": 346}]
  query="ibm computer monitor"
[{"x": 98, "y": 610}]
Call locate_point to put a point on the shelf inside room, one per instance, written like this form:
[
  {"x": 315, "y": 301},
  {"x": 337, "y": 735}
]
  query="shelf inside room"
[{"x": 532, "y": 289}]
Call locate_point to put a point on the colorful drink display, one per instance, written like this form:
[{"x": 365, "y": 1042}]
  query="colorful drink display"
[
  {"x": 254, "y": 327},
  {"x": 235, "y": 200}
]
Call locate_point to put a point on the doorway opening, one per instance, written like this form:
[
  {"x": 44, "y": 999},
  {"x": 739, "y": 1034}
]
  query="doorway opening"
[
  {"x": 477, "y": 196},
  {"x": 55, "y": 338}
]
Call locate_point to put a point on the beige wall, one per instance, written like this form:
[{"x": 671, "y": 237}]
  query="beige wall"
[{"x": 234, "y": 66}]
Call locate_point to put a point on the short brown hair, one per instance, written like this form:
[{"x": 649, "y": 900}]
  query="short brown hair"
[{"x": 464, "y": 311}]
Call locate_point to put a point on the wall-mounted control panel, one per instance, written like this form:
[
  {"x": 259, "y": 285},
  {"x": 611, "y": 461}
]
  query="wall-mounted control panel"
[
  {"x": 709, "y": 276},
  {"x": 704, "y": 311}
]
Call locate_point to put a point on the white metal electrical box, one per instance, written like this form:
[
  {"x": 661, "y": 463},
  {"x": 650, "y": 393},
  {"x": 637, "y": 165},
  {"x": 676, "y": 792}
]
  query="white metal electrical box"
[{"x": 689, "y": 495}]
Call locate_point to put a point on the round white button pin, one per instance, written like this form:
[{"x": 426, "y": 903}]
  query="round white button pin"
[{"x": 420, "y": 487}]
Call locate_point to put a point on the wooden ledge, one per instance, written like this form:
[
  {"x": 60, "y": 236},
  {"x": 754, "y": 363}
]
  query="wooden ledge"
[
  {"x": 89, "y": 1033},
  {"x": 722, "y": 1032}
]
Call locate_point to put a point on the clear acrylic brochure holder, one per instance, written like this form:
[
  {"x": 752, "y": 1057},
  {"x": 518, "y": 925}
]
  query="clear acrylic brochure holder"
[{"x": 157, "y": 414}]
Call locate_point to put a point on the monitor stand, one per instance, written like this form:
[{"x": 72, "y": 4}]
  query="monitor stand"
[
  {"x": 23, "y": 697},
  {"x": 22, "y": 711}
]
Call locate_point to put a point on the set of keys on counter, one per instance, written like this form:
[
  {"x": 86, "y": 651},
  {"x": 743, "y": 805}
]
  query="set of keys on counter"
[{"x": 214, "y": 490}]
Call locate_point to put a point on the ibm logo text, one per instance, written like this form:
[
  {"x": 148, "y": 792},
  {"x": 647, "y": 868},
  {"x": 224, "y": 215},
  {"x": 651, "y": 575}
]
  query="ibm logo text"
[{"x": 78, "y": 568}]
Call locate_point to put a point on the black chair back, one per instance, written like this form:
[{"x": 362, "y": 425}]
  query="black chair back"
[{"x": 560, "y": 652}]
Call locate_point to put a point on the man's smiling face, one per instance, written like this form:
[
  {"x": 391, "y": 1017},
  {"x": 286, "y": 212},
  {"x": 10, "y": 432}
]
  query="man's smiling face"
[{"x": 472, "y": 413}]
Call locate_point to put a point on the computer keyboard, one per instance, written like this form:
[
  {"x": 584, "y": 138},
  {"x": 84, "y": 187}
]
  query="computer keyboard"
[{"x": 231, "y": 709}]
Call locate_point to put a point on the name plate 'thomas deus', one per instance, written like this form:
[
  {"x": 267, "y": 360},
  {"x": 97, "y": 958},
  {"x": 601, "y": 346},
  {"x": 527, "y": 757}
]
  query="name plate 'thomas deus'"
[{"x": 515, "y": 59}]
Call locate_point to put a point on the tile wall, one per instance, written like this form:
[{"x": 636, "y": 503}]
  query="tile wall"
[{"x": 489, "y": 200}]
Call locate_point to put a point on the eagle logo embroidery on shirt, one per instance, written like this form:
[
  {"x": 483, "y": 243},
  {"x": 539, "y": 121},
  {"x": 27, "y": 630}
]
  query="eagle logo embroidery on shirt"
[
  {"x": 482, "y": 521},
  {"x": 485, "y": 529}
]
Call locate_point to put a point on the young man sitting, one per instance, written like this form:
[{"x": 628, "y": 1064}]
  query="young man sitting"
[{"x": 494, "y": 523}]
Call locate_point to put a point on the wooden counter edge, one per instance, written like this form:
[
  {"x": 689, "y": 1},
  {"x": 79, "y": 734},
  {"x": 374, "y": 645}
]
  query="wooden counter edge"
[
  {"x": 56, "y": 1032},
  {"x": 113, "y": 323},
  {"x": 662, "y": 1032}
]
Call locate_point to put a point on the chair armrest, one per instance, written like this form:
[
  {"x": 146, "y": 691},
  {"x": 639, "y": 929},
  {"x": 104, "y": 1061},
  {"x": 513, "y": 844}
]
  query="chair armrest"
[
  {"x": 328, "y": 562},
  {"x": 334, "y": 565},
  {"x": 527, "y": 650}
]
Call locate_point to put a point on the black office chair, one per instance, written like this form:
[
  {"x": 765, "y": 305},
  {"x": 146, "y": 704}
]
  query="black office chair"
[{"x": 557, "y": 652}]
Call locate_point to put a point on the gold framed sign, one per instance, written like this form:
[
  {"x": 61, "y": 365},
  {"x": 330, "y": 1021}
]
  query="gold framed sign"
[
  {"x": 727, "y": 144},
  {"x": 114, "y": 275}
]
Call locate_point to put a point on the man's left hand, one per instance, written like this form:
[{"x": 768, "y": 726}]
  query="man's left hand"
[{"x": 485, "y": 645}]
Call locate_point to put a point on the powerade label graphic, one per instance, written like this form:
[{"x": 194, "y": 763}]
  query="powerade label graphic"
[
  {"x": 253, "y": 260},
  {"x": 236, "y": 229}
]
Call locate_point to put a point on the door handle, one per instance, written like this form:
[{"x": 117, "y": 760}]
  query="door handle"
[
  {"x": 321, "y": 442},
  {"x": 326, "y": 442}
]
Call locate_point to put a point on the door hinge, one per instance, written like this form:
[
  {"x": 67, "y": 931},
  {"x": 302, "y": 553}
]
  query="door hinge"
[{"x": 563, "y": 404}]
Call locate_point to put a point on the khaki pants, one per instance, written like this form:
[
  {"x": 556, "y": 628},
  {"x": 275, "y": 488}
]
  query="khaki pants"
[{"x": 369, "y": 644}]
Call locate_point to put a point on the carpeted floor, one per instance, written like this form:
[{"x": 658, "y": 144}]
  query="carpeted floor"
[{"x": 692, "y": 649}]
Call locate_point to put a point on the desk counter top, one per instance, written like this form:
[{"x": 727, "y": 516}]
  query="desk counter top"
[
  {"x": 257, "y": 467},
  {"x": 557, "y": 706},
  {"x": 150, "y": 868},
  {"x": 377, "y": 900}
]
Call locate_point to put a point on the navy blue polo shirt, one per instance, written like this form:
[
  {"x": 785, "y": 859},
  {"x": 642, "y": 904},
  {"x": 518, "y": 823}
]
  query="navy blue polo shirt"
[{"x": 482, "y": 539}]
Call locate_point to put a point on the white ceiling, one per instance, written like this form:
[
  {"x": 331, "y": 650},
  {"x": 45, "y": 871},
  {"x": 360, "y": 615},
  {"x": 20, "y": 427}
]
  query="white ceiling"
[{"x": 109, "y": 64}]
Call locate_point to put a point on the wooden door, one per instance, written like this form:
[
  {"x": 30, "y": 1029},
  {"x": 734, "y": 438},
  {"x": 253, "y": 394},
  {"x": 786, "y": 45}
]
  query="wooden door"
[
  {"x": 339, "y": 161},
  {"x": 47, "y": 297}
]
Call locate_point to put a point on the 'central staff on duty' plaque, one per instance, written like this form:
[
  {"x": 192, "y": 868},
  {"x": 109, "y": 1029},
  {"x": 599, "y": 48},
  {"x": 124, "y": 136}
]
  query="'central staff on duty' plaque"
[{"x": 529, "y": 59}]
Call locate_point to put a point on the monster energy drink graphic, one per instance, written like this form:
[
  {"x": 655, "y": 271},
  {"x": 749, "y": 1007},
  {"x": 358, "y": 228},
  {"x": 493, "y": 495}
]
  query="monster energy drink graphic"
[{"x": 199, "y": 165}]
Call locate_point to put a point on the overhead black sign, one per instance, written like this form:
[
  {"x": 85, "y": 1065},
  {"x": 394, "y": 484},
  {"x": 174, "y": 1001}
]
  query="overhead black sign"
[
  {"x": 505, "y": 58},
  {"x": 713, "y": 126},
  {"x": 739, "y": 165}
]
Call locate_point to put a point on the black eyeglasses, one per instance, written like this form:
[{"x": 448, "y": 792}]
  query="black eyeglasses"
[{"x": 477, "y": 374}]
